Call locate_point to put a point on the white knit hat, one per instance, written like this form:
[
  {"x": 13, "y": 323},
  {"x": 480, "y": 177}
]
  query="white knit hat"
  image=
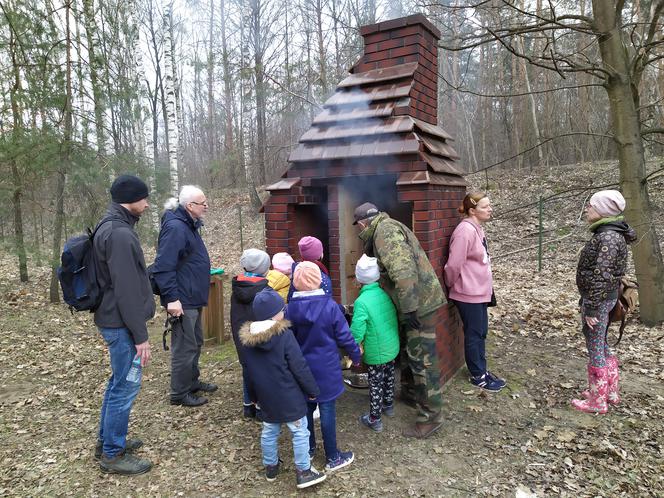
[
  {"x": 366, "y": 270},
  {"x": 608, "y": 202}
]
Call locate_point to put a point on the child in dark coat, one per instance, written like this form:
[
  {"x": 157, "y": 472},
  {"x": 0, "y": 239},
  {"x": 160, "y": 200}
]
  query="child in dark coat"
[
  {"x": 244, "y": 288},
  {"x": 280, "y": 381},
  {"x": 320, "y": 329}
]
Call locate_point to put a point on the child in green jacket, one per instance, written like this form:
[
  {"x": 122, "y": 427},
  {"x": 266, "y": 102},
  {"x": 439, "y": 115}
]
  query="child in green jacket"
[{"x": 375, "y": 324}]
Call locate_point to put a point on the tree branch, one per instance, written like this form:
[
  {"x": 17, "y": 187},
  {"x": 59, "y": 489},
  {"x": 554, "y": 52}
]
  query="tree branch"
[
  {"x": 655, "y": 174},
  {"x": 542, "y": 143},
  {"x": 650, "y": 131}
]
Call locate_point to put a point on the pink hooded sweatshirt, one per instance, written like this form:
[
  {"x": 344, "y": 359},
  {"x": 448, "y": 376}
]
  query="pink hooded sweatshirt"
[{"x": 468, "y": 269}]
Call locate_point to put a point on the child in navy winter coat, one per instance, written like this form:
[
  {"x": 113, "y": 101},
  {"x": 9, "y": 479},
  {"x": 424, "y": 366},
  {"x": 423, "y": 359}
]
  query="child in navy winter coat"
[
  {"x": 280, "y": 382},
  {"x": 320, "y": 328},
  {"x": 244, "y": 288}
]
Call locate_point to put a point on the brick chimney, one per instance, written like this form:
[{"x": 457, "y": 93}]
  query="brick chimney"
[{"x": 407, "y": 39}]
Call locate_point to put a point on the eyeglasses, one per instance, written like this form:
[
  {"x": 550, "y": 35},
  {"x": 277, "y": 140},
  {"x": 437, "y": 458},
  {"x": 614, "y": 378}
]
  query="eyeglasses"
[{"x": 204, "y": 203}]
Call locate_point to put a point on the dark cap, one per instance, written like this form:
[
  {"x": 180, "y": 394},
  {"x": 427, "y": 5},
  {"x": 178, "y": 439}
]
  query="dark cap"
[
  {"x": 128, "y": 188},
  {"x": 363, "y": 211},
  {"x": 267, "y": 304}
]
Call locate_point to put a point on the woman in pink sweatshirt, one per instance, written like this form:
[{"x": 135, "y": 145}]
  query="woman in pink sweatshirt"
[{"x": 470, "y": 284}]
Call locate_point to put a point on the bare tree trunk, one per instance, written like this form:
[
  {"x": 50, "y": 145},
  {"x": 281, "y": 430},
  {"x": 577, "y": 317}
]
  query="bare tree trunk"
[
  {"x": 259, "y": 75},
  {"x": 54, "y": 293},
  {"x": 94, "y": 63},
  {"x": 173, "y": 139},
  {"x": 624, "y": 114},
  {"x": 229, "y": 145},
  {"x": 16, "y": 177}
]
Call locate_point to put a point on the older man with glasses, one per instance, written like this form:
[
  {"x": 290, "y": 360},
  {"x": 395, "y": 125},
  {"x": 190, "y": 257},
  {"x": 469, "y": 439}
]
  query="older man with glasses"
[{"x": 181, "y": 271}]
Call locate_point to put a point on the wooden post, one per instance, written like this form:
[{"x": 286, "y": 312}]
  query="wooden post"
[{"x": 213, "y": 313}]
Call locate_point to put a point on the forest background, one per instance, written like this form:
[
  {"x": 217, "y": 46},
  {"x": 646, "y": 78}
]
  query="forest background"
[{"x": 218, "y": 92}]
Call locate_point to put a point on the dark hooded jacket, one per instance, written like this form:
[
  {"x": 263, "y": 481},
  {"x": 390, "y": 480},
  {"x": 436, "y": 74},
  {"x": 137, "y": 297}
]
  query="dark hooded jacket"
[
  {"x": 278, "y": 379},
  {"x": 602, "y": 262},
  {"x": 127, "y": 300},
  {"x": 243, "y": 292},
  {"x": 321, "y": 329},
  {"x": 182, "y": 267}
]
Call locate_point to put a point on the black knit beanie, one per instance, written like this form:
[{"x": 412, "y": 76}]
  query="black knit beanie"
[{"x": 128, "y": 188}]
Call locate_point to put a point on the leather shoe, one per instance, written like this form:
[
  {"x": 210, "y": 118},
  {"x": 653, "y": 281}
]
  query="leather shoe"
[
  {"x": 422, "y": 431},
  {"x": 131, "y": 445},
  {"x": 190, "y": 400},
  {"x": 206, "y": 387}
]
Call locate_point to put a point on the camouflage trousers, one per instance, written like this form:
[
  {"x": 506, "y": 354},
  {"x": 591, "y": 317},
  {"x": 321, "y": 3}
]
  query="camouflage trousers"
[{"x": 420, "y": 373}]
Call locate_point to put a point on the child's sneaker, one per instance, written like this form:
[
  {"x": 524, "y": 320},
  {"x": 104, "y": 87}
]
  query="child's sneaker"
[
  {"x": 388, "y": 410},
  {"x": 309, "y": 477},
  {"x": 375, "y": 425},
  {"x": 271, "y": 472},
  {"x": 500, "y": 381},
  {"x": 487, "y": 383},
  {"x": 343, "y": 459}
]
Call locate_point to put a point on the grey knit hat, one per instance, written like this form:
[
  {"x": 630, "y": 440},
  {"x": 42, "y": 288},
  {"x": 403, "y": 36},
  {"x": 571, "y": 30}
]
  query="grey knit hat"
[{"x": 255, "y": 261}]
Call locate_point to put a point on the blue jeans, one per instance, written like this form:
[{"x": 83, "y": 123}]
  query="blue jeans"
[
  {"x": 475, "y": 318},
  {"x": 120, "y": 393},
  {"x": 270, "y": 443},
  {"x": 328, "y": 426}
]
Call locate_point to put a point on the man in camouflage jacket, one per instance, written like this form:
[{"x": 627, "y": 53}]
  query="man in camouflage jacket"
[{"x": 408, "y": 277}]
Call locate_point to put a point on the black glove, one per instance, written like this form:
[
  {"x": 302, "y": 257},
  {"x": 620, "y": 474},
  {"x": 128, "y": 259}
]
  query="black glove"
[{"x": 412, "y": 321}]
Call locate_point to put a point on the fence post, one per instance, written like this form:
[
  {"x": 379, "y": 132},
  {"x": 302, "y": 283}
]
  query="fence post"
[{"x": 541, "y": 228}]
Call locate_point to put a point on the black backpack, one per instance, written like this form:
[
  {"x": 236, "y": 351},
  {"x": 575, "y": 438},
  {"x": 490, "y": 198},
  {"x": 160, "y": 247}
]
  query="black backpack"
[{"x": 78, "y": 273}]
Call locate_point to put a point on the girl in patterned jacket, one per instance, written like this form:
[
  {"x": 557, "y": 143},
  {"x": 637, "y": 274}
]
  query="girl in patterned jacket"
[{"x": 601, "y": 264}]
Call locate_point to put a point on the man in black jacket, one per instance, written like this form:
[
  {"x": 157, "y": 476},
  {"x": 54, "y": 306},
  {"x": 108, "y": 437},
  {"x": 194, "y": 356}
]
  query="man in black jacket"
[
  {"x": 182, "y": 273},
  {"x": 121, "y": 317}
]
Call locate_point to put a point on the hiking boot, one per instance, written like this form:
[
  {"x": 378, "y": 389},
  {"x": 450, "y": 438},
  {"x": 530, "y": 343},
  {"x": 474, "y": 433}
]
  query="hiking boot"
[
  {"x": 271, "y": 472},
  {"x": 125, "y": 464},
  {"x": 388, "y": 410},
  {"x": 375, "y": 425},
  {"x": 487, "y": 383},
  {"x": 190, "y": 400},
  {"x": 309, "y": 477},
  {"x": 131, "y": 445},
  {"x": 205, "y": 387},
  {"x": 343, "y": 459}
]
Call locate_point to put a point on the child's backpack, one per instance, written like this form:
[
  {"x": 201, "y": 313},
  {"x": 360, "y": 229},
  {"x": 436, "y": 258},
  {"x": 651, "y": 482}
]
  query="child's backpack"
[
  {"x": 628, "y": 298},
  {"x": 78, "y": 273}
]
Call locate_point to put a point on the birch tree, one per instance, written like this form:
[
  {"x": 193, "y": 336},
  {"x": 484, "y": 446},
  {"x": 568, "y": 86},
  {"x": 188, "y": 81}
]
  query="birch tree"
[{"x": 173, "y": 135}]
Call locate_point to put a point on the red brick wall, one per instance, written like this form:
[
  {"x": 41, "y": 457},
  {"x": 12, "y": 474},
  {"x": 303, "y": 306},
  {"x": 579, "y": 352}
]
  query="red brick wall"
[
  {"x": 403, "y": 40},
  {"x": 435, "y": 216}
]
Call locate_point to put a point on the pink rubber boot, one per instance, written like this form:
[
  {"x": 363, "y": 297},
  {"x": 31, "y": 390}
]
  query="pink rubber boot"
[
  {"x": 598, "y": 382},
  {"x": 613, "y": 393}
]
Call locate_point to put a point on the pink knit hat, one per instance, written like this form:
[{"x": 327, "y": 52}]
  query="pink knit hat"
[
  {"x": 307, "y": 276},
  {"x": 283, "y": 262},
  {"x": 311, "y": 249},
  {"x": 608, "y": 202}
]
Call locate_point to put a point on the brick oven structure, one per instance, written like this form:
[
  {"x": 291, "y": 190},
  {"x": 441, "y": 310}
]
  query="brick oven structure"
[{"x": 377, "y": 139}]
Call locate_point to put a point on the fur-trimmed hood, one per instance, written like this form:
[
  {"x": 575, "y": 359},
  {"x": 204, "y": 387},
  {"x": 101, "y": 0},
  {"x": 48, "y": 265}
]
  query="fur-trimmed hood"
[{"x": 259, "y": 334}]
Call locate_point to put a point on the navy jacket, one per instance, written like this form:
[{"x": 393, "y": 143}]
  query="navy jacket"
[
  {"x": 278, "y": 377},
  {"x": 128, "y": 301},
  {"x": 321, "y": 329},
  {"x": 244, "y": 290},
  {"x": 182, "y": 266}
]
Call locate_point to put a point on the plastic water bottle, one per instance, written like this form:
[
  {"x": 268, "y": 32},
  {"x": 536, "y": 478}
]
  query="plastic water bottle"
[{"x": 134, "y": 374}]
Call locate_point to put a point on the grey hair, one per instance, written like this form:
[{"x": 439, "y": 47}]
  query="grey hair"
[{"x": 187, "y": 194}]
